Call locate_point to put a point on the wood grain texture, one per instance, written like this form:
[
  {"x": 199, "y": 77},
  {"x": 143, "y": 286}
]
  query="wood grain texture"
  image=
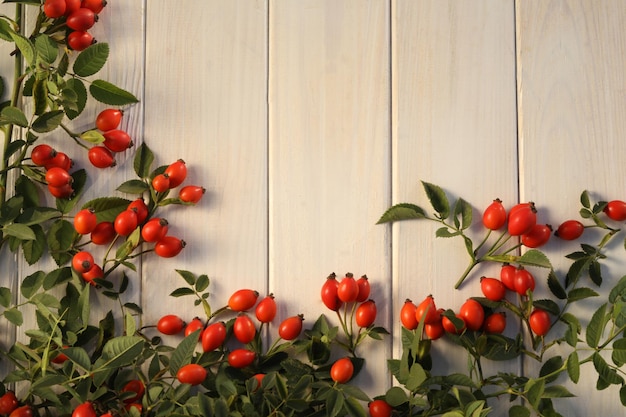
[
  {"x": 571, "y": 85},
  {"x": 455, "y": 126},
  {"x": 205, "y": 102},
  {"x": 329, "y": 155}
]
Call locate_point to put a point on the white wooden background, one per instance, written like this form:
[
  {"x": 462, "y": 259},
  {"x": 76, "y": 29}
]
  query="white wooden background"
[{"x": 306, "y": 119}]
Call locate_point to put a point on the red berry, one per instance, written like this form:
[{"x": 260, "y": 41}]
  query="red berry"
[
  {"x": 80, "y": 40},
  {"x": 101, "y": 157}
]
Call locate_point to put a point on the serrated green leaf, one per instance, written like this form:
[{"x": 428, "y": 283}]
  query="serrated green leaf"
[
  {"x": 557, "y": 391},
  {"x": 110, "y": 94},
  {"x": 79, "y": 357},
  {"x": 92, "y": 136},
  {"x": 182, "y": 291},
  {"x": 573, "y": 367},
  {"x": 46, "y": 48},
  {"x": 121, "y": 351},
  {"x": 618, "y": 291},
  {"x": 462, "y": 214},
  {"x": 536, "y": 258},
  {"x": 32, "y": 250},
  {"x": 354, "y": 407},
  {"x": 202, "y": 283},
  {"x": 438, "y": 199},
  {"x": 107, "y": 208},
  {"x": 551, "y": 367},
  {"x": 595, "y": 272},
  {"x": 580, "y": 294},
  {"x": 189, "y": 277},
  {"x": 445, "y": 232},
  {"x": 25, "y": 46},
  {"x": 596, "y": 326},
  {"x": 31, "y": 284},
  {"x": 133, "y": 187},
  {"x": 547, "y": 305},
  {"x": 143, "y": 161},
  {"x": 183, "y": 353},
  {"x": 534, "y": 391},
  {"x": 584, "y": 199},
  {"x": 618, "y": 356},
  {"x": 622, "y": 395},
  {"x": 402, "y": 211},
  {"x": 19, "y": 231},
  {"x": 606, "y": 373},
  {"x": 13, "y": 115},
  {"x": 78, "y": 87},
  {"x": 91, "y": 60},
  {"x": 555, "y": 286},
  {"x": 5, "y": 297},
  {"x": 57, "y": 277},
  {"x": 14, "y": 316},
  {"x": 49, "y": 121}
]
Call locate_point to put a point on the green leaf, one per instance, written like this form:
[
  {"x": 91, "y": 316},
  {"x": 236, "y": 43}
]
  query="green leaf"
[
  {"x": 37, "y": 215},
  {"x": 438, "y": 199},
  {"x": 19, "y": 231},
  {"x": 619, "y": 352},
  {"x": 354, "y": 407},
  {"x": 534, "y": 391},
  {"x": 107, "y": 208},
  {"x": 445, "y": 232},
  {"x": 183, "y": 353},
  {"x": 557, "y": 391},
  {"x": 57, "y": 277},
  {"x": 143, "y": 161},
  {"x": 92, "y": 136},
  {"x": 91, "y": 60},
  {"x": 417, "y": 376},
  {"x": 584, "y": 199},
  {"x": 551, "y": 367},
  {"x": 108, "y": 93},
  {"x": 334, "y": 403},
  {"x": 25, "y": 46},
  {"x": 181, "y": 292},
  {"x": 618, "y": 291},
  {"x": 33, "y": 249},
  {"x": 462, "y": 211},
  {"x": 596, "y": 326},
  {"x": 580, "y": 294},
  {"x": 189, "y": 277},
  {"x": 13, "y": 115},
  {"x": 78, "y": 87},
  {"x": 5, "y": 297},
  {"x": 121, "y": 351},
  {"x": 14, "y": 316},
  {"x": 622, "y": 395},
  {"x": 31, "y": 284},
  {"x": 78, "y": 356},
  {"x": 555, "y": 286},
  {"x": 133, "y": 187},
  {"x": 573, "y": 367},
  {"x": 536, "y": 258},
  {"x": 396, "y": 396},
  {"x": 548, "y": 305},
  {"x": 46, "y": 48},
  {"x": 595, "y": 272},
  {"x": 606, "y": 373},
  {"x": 402, "y": 211},
  {"x": 49, "y": 121},
  {"x": 202, "y": 283}
]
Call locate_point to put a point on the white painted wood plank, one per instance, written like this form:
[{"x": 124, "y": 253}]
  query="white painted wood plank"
[
  {"x": 329, "y": 157},
  {"x": 206, "y": 103},
  {"x": 454, "y": 125},
  {"x": 572, "y": 103}
]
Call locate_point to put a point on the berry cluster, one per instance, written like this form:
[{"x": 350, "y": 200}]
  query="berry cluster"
[
  {"x": 78, "y": 16},
  {"x": 213, "y": 335}
]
